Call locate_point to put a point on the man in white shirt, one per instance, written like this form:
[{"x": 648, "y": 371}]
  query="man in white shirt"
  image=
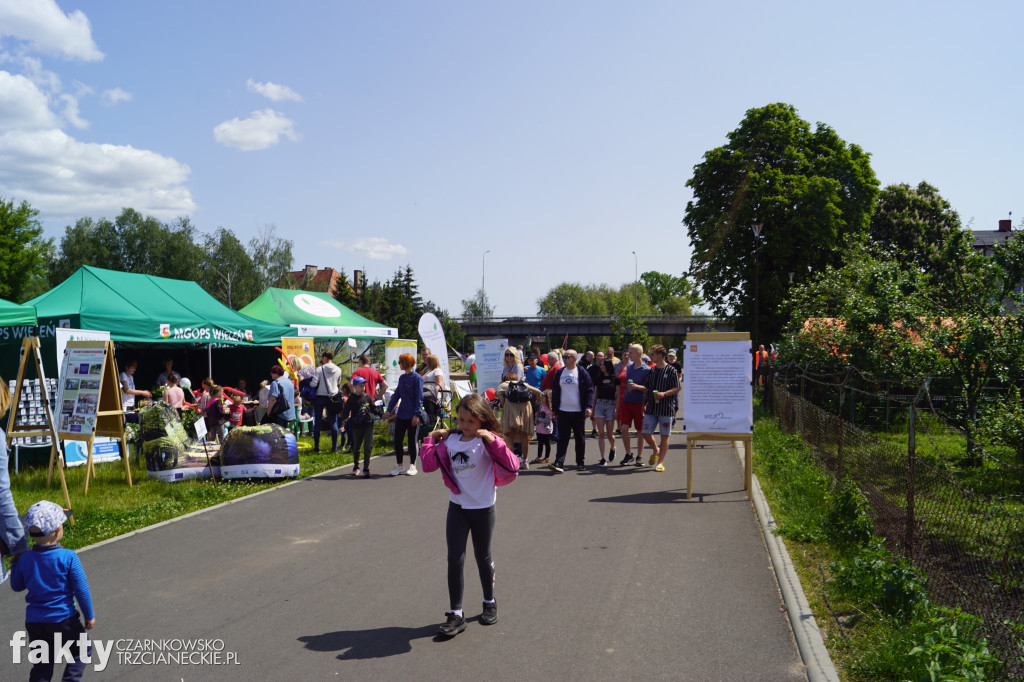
[{"x": 572, "y": 393}]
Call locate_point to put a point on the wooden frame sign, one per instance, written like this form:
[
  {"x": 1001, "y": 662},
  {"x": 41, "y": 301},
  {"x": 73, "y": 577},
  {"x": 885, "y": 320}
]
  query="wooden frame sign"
[
  {"x": 718, "y": 395},
  {"x": 89, "y": 398},
  {"x": 30, "y": 353}
]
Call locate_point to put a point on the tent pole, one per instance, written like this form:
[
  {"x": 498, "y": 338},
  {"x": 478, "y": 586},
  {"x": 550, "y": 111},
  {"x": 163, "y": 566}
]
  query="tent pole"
[{"x": 209, "y": 359}]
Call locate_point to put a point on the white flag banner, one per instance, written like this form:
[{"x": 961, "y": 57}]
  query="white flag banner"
[{"x": 432, "y": 334}]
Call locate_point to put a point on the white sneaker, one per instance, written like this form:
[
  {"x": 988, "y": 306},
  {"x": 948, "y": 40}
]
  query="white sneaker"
[
  {"x": 397, "y": 471},
  {"x": 524, "y": 463},
  {"x": 411, "y": 471}
]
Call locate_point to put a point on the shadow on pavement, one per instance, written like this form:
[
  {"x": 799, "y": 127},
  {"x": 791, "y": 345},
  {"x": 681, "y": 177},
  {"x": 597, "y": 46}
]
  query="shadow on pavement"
[
  {"x": 366, "y": 644},
  {"x": 669, "y": 497}
]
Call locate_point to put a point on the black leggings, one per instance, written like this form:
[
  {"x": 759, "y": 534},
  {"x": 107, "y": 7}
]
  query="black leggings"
[
  {"x": 401, "y": 427},
  {"x": 461, "y": 522},
  {"x": 543, "y": 446}
]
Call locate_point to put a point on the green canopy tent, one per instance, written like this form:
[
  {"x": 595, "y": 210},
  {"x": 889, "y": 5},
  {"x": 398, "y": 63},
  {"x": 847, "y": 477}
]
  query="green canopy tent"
[
  {"x": 144, "y": 309},
  {"x": 13, "y": 315},
  {"x": 315, "y": 314},
  {"x": 148, "y": 312}
]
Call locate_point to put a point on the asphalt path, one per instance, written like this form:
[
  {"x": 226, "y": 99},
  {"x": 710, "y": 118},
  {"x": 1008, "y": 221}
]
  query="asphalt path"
[{"x": 609, "y": 574}]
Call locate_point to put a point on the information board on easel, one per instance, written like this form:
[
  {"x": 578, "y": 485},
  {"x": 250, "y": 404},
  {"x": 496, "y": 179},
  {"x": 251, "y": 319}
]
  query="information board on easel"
[
  {"x": 89, "y": 398},
  {"x": 718, "y": 395},
  {"x": 42, "y": 426}
]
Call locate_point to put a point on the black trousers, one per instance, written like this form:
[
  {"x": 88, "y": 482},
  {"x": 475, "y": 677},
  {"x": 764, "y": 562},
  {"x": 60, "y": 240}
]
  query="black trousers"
[
  {"x": 571, "y": 423},
  {"x": 69, "y": 629},
  {"x": 462, "y": 523},
  {"x": 403, "y": 427},
  {"x": 543, "y": 445}
]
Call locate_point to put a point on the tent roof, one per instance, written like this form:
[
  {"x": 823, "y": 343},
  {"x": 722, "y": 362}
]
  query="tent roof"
[
  {"x": 137, "y": 308},
  {"x": 315, "y": 314},
  {"x": 12, "y": 314}
]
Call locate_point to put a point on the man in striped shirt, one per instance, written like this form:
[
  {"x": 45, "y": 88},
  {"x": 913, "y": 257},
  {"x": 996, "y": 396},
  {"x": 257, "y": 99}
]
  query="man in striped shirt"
[{"x": 660, "y": 385}]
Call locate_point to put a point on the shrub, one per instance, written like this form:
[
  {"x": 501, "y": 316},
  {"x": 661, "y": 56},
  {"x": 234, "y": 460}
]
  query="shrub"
[
  {"x": 847, "y": 523},
  {"x": 894, "y": 586}
]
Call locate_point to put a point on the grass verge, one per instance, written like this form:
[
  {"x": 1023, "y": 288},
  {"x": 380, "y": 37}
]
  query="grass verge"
[
  {"x": 112, "y": 508},
  {"x": 871, "y": 606}
]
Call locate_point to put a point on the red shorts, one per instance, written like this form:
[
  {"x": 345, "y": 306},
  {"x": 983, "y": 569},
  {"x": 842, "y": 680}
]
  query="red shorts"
[{"x": 631, "y": 414}]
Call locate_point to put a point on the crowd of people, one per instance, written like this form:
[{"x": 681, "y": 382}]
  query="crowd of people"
[
  {"x": 550, "y": 402},
  {"x": 547, "y": 399}
]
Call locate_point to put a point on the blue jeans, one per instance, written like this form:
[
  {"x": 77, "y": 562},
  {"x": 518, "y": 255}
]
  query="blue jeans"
[
  {"x": 321, "y": 404},
  {"x": 12, "y": 533}
]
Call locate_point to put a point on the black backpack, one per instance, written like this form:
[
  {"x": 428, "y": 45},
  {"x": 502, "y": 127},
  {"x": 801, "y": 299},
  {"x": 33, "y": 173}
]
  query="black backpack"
[{"x": 518, "y": 392}]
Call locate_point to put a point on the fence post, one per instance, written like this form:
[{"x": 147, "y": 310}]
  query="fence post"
[
  {"x": 842, "y": 431},
  {"x": 911, "y": 456},
  {"x": 912, "y": 467}
]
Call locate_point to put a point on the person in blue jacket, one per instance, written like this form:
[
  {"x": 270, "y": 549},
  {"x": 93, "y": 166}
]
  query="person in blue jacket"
[
  {"x": 408, "y": 397},
  {"x": 55, "y": 580}
]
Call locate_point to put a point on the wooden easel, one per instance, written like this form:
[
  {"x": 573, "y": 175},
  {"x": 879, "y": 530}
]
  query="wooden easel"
[
  {"x": 109, "y": 414},
  {"x": 30, "y": 353},
  {"x": 746, "y": 438},
  {"x": 748, "y": 449}
]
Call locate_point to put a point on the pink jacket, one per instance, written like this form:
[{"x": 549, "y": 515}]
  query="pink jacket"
[{"x": 434, "y": 455}]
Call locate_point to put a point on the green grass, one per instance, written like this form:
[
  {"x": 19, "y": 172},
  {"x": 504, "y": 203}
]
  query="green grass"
[
  {"x": 111, "y": 508},
  {"x": 870, "y": 606}
]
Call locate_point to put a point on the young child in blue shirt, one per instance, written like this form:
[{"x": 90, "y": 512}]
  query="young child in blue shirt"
[{"x": 55, "y": 580}]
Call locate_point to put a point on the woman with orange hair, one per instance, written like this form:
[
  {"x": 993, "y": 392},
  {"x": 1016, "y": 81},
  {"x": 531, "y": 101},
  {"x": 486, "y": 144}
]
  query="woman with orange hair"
[{"x": 408, "y": 397}]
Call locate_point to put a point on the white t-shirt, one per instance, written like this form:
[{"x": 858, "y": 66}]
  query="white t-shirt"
[
  {"x": 474, "y": 473},
  {"x": 127, "y": 400},
  {"x": 570, "y": 381}
]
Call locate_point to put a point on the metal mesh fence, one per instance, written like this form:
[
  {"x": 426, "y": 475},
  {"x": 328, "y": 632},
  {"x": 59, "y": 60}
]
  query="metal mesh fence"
[{"x": 960, "y": 520}]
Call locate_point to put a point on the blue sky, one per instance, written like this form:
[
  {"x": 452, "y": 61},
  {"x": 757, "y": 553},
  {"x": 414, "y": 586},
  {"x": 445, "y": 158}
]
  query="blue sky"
[{"x": 557, "y": 135}]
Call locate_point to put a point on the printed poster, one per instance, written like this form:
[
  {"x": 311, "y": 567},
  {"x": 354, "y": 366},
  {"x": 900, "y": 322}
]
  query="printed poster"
[
  {"x": 294, "y": 347},
  {"x": 78, "y": 394},
  {"x": 392, "y": 349},
  {"x": 490, "y": 358},
  {"x": 717, "y": 391}
]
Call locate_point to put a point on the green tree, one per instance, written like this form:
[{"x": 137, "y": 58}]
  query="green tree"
[
  {"x": 87, "y": 242},
  {"x": 227, "y": 272},
  {"x": 478, "y": 306},
  {"x": 811, "y": 192},
  {"x": 670, "y": 294},
  {"x": 343, "y": 291},
  {"x": 23, "y": 252},
  {"x": 271, "y": 257},
  {"x": 131, "y": 243},
  {"x": 910, "y": 224},
  {"x": 900, "y": 323}
]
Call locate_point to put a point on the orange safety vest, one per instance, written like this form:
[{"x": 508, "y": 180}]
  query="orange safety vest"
[{"x": 759, "y": 357}]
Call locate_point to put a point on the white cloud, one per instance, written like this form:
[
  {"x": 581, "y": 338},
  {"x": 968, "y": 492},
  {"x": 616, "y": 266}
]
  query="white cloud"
[
  {"x": 71, "y": 111},
  {"x": 23, "y": 106},
  {"x": 261, "y": 130},
  {"x": 116, "y": 96},
  {"x": 41, "y": 163},
  {"x": 273, "y": 91},
  {"x": 43, "y": 25},
  {"x": 374, "y": 248},
  {"x": 65, "y": 178}
]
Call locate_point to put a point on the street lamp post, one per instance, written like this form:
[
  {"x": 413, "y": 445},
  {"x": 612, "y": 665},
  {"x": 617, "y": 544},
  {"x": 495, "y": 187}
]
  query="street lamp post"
[
  {"x": 756, "y": 227},
  {"x": 483, "y": 272},
  {"x": 635, "y": 271}
]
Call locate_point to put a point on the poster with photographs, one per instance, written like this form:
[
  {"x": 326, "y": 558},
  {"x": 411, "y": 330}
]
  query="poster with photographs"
[
  {"x": 31, "y": 410},
  {"x": 80, "y": 380}
]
